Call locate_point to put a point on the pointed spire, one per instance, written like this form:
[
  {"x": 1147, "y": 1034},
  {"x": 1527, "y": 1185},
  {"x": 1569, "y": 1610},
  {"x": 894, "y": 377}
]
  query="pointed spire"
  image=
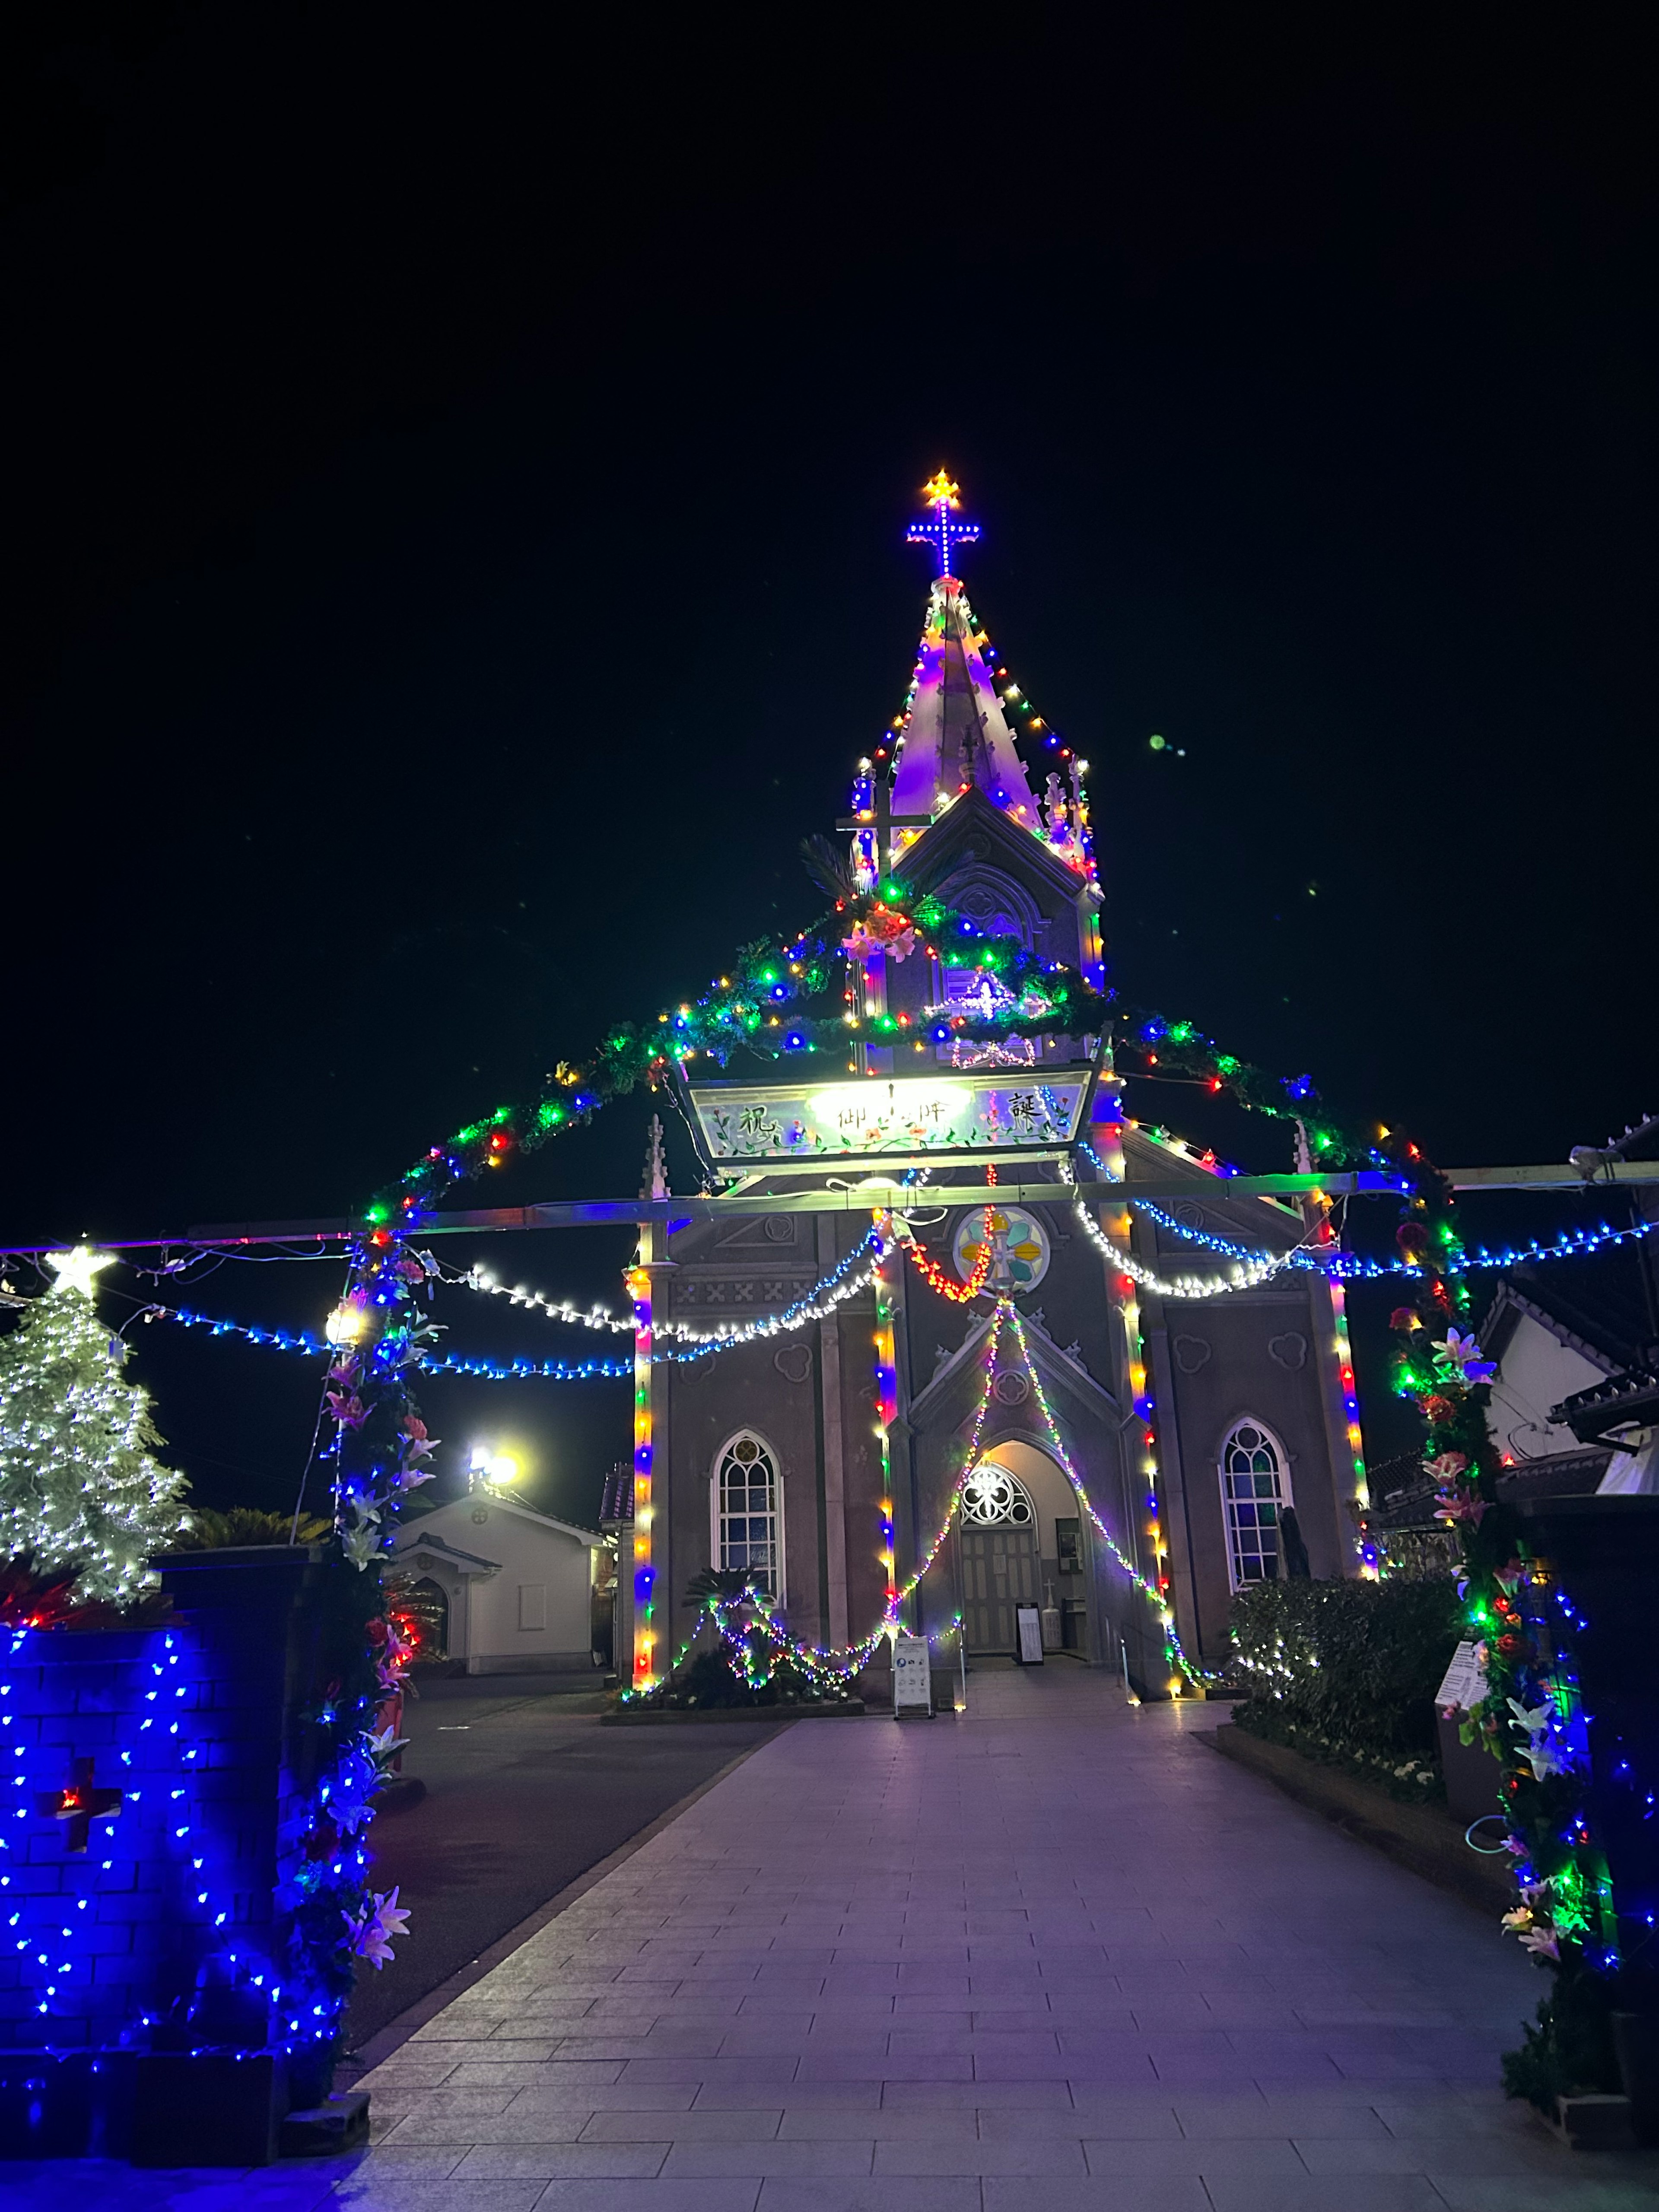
[
  {"x": 656, "y": 1167},
  {"x": 956, "y": 736},
  {"x": 957, "y": 732}
]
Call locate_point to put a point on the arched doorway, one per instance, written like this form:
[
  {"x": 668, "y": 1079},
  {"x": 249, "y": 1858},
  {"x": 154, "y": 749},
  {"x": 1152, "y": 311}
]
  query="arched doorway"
[
  {"x": 419, "y": 1612},
  {"x": 998, "y": 1558}
]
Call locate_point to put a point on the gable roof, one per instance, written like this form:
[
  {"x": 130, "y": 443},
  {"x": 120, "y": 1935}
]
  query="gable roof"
[
  {"x": 591, "y": 1537},
  {"x": 1510, "y": 1305},
  {"x": 1057, "y": 1365},
  {"x": 411, "y": 1539},
  {"x": 1597, "y": 1307}
]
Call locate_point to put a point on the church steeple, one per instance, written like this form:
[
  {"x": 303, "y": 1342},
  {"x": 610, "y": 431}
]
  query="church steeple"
[{"x": 954, "y": 734}]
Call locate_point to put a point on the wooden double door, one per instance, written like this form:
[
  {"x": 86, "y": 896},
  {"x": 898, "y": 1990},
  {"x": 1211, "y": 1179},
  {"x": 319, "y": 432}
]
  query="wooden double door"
[{"x": 999, "y": 1573}]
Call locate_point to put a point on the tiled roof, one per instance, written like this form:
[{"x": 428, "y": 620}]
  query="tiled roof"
[{"x": 617, "y": 1508}]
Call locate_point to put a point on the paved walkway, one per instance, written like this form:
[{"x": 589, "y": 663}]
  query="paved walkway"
[
  {"x": 1054, "y": 1953},
  {"x": 1051, "y": 1951}
]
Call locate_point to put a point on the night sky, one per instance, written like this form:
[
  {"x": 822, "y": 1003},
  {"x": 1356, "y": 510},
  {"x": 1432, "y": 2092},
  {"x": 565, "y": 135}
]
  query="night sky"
[{"x": 457, "y": 477}]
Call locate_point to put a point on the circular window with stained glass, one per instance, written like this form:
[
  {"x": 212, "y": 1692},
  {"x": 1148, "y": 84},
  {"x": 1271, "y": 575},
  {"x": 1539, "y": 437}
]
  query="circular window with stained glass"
[{"x": 1020, "y": 1249}]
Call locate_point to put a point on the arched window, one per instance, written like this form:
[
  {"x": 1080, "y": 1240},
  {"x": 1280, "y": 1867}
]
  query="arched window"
[
  {"x": 994, "y": 1499},
  {"x": 748, "y": 1504},
  {"x": 1255, "y": 1484}
]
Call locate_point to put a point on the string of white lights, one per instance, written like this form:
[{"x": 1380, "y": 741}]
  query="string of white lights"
[
  {"x": 845, "y": 1280},
  {"x": 1243, "y": 1274}
]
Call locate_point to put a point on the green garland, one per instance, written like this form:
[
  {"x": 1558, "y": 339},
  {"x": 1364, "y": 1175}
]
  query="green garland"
[
  {"x": 771, "y": 1005},
  {"x": 1530, "y": 1719}
]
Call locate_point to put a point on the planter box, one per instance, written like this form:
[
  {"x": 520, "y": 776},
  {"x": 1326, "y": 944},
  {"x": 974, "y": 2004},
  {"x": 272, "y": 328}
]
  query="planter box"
[
  {"x": 1472, "y": 1776},
  {"x": 1421, "y": 1837},
  {"x": 1604, "y": 1553},
  {"x": 194, "y": 1730}
]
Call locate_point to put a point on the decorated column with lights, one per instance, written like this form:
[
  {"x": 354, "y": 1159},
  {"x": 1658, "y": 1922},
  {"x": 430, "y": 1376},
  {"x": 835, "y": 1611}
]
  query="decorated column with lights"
[
  {"x": 651, "y": 1256},
  {"x": 1338, "y": 1388},
  {"x": 1353, "y": 1439},
  {"x": 1145, "y": 1485},
  {"x": 645, "y": 1634},
  {"x": 886, "y": 1377}
]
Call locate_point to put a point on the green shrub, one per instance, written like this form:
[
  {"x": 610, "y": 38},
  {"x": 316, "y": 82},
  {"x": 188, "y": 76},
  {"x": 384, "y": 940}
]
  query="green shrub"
[
  {"x": 711, "y": 1679},
  {"x": 205, "y": 1530},
  {"x": 1348, "y": 1670}
]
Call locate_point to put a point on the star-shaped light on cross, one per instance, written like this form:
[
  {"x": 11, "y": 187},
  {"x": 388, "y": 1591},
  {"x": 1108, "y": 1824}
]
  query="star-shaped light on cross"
[
  {"x": 937, "y": 527},
  {"x": 76, "y": 1269}
]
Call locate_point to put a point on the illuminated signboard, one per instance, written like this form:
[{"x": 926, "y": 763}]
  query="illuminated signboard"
[{"x": 966, "y": 1112}]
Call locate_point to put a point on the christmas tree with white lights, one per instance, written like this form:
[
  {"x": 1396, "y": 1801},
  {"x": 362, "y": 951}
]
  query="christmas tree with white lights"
[{"x": 78, "y": 1486}]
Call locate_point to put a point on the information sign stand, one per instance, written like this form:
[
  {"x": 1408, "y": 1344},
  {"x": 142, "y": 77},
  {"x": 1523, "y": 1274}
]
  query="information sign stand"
[
  {"x": 1028, "y": 1622},
  {"x": 912, "y": 1678}
]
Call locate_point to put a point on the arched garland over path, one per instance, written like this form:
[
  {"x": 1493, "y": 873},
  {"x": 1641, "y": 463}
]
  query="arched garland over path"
[{"x": 771, "y": 1003}]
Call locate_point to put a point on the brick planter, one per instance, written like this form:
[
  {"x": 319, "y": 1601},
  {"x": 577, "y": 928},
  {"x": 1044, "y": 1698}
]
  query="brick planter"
[{"x": 121, "y": 2032}]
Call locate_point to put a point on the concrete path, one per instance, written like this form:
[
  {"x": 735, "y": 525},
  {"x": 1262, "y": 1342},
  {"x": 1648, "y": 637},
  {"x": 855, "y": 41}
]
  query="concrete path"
[
  {"x": 1052, "y": 1951},
  {"x": 524, "y": 1792},
  {"x": 1049, "y": 1955}
]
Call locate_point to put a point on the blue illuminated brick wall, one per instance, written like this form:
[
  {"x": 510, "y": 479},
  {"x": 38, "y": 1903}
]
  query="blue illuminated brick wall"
[{"x": 188, "y": 1721}]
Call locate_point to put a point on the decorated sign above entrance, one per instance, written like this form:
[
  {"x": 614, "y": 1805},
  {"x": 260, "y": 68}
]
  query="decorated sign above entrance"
[{"x": 849, "y": 1120}]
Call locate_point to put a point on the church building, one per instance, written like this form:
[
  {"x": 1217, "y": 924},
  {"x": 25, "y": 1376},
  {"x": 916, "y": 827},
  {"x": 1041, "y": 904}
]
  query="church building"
[{"x": 1215, "y": 1437}]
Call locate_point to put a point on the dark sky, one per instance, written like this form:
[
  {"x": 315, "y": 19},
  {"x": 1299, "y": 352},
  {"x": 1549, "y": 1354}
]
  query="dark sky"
[{"x": 456, "y": 479}]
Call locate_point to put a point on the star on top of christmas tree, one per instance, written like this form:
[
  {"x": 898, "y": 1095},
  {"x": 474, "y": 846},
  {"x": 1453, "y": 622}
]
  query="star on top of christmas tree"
[{"x": 76, "y": 1270}]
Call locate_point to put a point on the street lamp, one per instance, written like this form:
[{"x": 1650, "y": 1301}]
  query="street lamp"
[{"x": 491, "y": 1469}]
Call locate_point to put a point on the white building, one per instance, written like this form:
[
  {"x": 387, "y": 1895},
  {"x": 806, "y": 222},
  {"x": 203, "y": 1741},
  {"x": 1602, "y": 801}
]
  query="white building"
[{"x": 516, "y": 1586}]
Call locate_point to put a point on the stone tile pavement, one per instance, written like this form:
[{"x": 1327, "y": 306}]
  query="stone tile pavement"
[{"x": 1052, "y": 1951}]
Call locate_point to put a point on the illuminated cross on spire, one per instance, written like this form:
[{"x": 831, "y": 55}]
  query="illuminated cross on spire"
[{"x": 939, "y": 528}]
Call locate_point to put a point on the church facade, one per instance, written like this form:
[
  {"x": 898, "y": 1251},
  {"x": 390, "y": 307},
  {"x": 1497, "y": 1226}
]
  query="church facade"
[{"x": 1216, "y": 1437}]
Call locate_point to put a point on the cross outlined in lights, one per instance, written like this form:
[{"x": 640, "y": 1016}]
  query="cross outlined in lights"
[{"x": 938, "y": 528}]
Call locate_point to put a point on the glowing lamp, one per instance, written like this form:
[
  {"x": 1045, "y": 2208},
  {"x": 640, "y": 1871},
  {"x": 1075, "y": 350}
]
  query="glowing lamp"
[
  {"x": 345, "y": 1325},
  {"x": 492, "y": 1470}
]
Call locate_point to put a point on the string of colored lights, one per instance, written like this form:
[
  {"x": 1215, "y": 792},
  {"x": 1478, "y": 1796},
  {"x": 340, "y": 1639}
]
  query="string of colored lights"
[
  {"x": 1114, "y": 1241},
  {"x": 886, "y": 1406},
  {"x": 1156, "y": 1594},
  {"x": 847, "y": 1281},
  {"x": 1242, "y": 1275},
  {"x": 1350, "y": 1267},
  {"x": 850, "y": 1661},
  {"x": 1370, "y": 1563},
  {"x": 639, "y": 1289},
  {"x": 933, "y": 1274}
]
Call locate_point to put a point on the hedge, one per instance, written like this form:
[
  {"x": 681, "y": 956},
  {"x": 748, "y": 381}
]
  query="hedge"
[{"x": 1346, "y": 1671}]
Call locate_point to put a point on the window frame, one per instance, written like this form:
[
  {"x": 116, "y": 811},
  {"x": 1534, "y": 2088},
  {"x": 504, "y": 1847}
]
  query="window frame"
[
  {"x": 1283, "y": 1497},
  {"x": 718, "y": 1516}
]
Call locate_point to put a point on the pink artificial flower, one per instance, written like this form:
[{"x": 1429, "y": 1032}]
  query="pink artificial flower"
[
  {"x": 349, "y": 1412},
  {"x": 371, "y": 1934},
  {"x": 1448, "y": 1465},
  {"x": 1465, "y": 1352},
  {"x": 1460, "y": 1505}
]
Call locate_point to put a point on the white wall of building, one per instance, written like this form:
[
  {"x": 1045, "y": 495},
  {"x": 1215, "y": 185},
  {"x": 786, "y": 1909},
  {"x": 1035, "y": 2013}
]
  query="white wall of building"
[
  {"x": 529, "y": 1604},
  {"x": 1536, "y": 1371}
]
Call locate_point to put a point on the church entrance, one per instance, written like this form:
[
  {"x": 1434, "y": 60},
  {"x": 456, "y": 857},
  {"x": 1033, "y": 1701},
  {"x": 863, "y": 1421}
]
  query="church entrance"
[{"x": 998, "y": 1537}]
